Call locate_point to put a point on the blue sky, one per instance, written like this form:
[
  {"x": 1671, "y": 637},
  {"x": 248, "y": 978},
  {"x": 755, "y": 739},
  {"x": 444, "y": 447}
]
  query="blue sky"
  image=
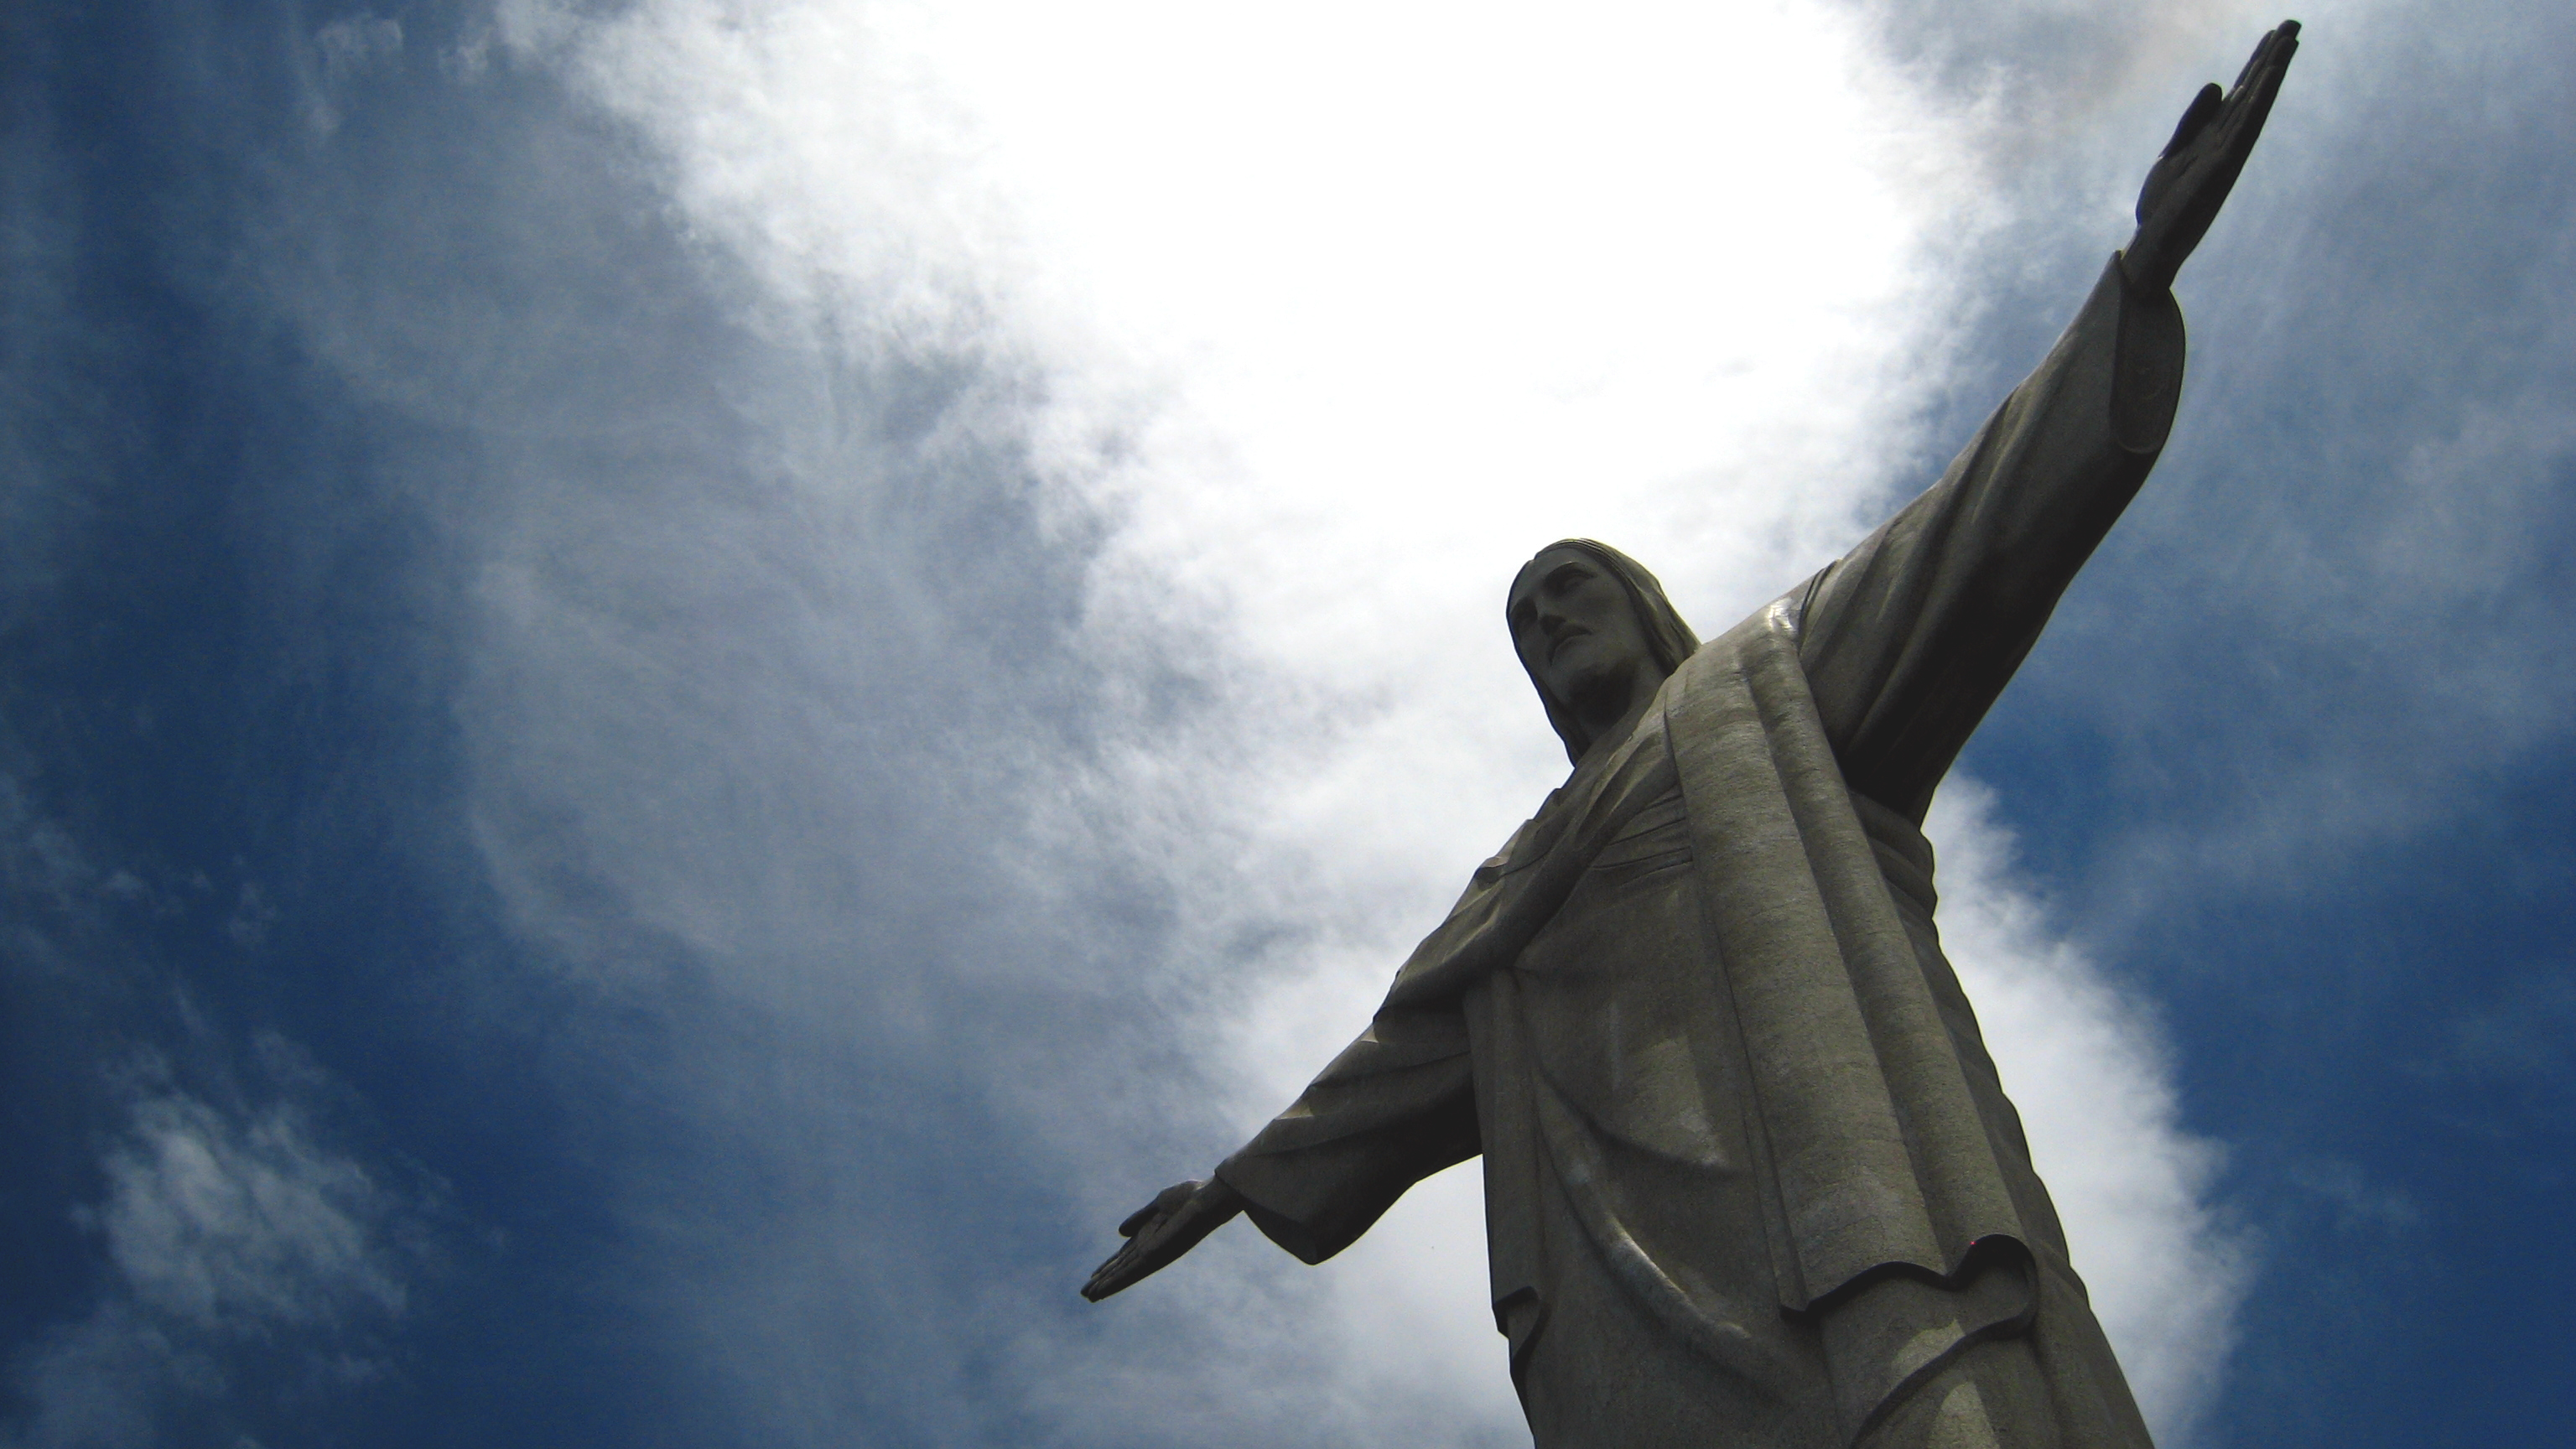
[{"x": 687, "y": 687}]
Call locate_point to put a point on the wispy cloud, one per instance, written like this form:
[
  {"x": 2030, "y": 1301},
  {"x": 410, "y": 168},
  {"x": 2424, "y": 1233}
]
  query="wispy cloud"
[
  {"x": 1289, "y": 372},
  {"x": 230, "y": 1240},
  {"x": 238, "y": 1226},
  {"x": 2088, "y": 1067},
  {"x": 2351, "y": 544},
  {"x": 239, "y": 1252}
]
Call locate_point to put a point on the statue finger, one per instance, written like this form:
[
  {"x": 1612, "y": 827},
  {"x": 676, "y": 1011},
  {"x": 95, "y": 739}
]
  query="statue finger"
[
  {"x": 2195, "y": 119},
  {"x": 2284, "y": 43},
  {"x": 1120, "y": 1271},
  {"x": 1103, "y": 1281},
  {"x": 2271, "y": 57},
  {"x": 2248, "y": 110},
  {"x": 2253, "y": 63},
  {"x": 1134, "y": 1264},
  {"x": 2279, "y": 69},
  {"x": 2267, "y": 52},
  {"x": 1136, "y": 1220}
]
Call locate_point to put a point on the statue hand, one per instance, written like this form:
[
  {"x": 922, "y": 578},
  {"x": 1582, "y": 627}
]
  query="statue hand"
[
  {"x": 1161, "y": 1231},
  {"x": 2190, "y": 181}
]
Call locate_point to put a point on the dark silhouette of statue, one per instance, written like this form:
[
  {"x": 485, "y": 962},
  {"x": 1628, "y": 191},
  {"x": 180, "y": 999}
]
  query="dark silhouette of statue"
[{"x": 1750, "y": 1178}]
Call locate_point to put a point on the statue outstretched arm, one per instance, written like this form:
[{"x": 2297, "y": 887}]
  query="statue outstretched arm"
[
  {"x": 1908, "y": 639},
  {"x": 1398, "y": 1105}
]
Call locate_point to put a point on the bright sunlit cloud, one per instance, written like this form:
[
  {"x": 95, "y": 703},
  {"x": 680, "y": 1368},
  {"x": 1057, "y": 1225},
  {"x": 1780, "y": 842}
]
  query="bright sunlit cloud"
[{"x": 1339, "y": 315}]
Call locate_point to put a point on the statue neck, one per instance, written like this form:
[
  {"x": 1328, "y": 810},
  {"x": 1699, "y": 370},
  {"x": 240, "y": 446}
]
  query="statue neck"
[{"x": 1610, "y": 714}]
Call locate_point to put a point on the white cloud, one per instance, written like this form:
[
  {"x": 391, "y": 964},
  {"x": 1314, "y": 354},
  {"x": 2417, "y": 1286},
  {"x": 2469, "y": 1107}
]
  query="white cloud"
[
  {"x": 224, "y": 1227},
  {"x": 229, "y": 1237},
  {"x": 2086, "y": 1065},
  {"x": 242, "y": 1226},
  {"x": 98, "y": 1383},
  {"x": 353, "y": 42},
  {"x": 349, "y": 48},
  {"x": 1335, "y": 317}
]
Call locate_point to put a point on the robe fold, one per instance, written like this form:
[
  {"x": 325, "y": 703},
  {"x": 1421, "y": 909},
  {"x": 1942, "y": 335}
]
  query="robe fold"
[{"x": 1750, "y": 1177}]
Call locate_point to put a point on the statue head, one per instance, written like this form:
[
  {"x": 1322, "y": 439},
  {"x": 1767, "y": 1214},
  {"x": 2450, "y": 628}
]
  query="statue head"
[{"x": 1592, "y": 627}]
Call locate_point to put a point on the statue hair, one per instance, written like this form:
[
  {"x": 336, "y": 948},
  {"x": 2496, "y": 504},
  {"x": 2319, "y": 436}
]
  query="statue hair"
[{"x": 1668, "y": 639}]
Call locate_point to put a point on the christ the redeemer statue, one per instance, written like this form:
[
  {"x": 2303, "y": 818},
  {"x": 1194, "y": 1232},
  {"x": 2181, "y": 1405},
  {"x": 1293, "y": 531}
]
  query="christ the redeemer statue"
[{"x": 1750, "y": 1178}]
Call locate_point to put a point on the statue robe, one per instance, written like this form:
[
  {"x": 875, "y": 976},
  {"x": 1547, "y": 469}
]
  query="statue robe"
[{"x": 1750, "y": 1177}]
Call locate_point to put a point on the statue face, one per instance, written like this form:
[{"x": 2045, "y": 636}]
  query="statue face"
[{"x": 1574, "y": 627}]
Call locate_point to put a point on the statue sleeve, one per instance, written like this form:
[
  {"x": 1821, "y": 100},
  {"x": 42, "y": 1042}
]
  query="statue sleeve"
[
  {"x": 1907, "y": 640},
  {"x": 1396, "y": 1106}
]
